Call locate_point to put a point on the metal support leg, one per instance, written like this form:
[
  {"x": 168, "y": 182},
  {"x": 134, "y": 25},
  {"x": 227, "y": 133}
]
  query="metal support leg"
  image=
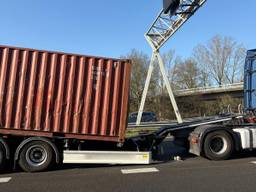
[
  {"x": 145, "y": 91},
  {"x": 157, "y": 55},
  {"x": 168, "y": 86}
]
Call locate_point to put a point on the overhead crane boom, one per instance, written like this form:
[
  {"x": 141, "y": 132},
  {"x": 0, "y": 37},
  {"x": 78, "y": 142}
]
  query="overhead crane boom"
[{"x": 170, "y": 19}]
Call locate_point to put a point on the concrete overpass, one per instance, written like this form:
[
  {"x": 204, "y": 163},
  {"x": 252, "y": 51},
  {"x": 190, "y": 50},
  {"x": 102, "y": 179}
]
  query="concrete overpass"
[{"x": 212, "y": 93}]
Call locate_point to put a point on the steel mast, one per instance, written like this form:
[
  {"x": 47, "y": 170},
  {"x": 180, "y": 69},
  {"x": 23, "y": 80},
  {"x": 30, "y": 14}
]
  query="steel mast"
[{"x": 162, "y": 29}]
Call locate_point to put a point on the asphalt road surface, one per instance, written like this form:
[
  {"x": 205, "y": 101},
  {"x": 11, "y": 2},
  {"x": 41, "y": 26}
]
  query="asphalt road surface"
[{"x": 190, "y": 174}]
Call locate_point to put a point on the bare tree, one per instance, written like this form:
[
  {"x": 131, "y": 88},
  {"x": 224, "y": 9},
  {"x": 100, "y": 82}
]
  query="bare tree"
[
  {"x": 140, "y": 63},
  {"x": 234, "y": 71},
  {"x": 168, "y": 59},
  {"x": 220, "y": 60},
  {"x": 186, "y": 74}
]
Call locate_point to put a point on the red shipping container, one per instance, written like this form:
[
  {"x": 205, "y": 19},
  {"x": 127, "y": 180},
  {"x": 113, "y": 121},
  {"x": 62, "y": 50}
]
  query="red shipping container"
[{"x": 45, "y": 93}]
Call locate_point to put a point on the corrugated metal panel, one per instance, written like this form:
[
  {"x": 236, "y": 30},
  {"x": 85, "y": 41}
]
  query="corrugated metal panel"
[{"x": 51, "y": 93}]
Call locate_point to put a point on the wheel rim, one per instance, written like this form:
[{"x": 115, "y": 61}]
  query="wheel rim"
[
  {"x": 36, "y": 155},
  {"x": 218, "y": 145}
]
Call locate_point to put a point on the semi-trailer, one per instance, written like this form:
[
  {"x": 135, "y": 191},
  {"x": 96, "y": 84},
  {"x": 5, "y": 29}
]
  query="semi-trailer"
[{"x": 66, "y": 108}]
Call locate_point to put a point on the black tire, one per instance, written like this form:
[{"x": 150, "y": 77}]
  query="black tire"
[
  {"x": 2, "y": 158},
  {"x": 218, "y": 145},
  {"x": 36, "y": 156}
]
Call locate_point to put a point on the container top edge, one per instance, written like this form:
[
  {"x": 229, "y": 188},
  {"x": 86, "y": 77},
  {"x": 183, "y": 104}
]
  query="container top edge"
[{"x": 64, "y": 53}]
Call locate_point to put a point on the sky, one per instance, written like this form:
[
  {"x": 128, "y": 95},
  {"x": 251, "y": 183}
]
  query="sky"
[{"x": 113, "y": 28}]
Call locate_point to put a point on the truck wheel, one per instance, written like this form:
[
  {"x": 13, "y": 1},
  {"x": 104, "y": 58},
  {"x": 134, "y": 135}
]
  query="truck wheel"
[
  {"x": 218, "y": 145},
  {"x": 2, "y": 158},
  {"x": 36, "y": 156}
]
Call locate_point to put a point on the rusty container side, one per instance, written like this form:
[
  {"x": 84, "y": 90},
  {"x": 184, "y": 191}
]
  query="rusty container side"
[{"x": 44, "y": 93}]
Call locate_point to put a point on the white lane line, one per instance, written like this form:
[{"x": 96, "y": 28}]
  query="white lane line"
[
  {"x": 143, "y": 170},
  {"x": 253, "y": 162},
  {"x": 5, "y": 179}
]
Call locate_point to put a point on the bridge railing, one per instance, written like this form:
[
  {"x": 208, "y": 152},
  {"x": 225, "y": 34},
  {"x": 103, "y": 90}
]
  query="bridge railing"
[{"x": 203, "y": 90}]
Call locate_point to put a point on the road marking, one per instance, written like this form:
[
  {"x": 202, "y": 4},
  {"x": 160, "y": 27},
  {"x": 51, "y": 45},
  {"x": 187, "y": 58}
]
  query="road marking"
[
  {"x": 5, "y": 179},
  {"x": 253, "y": 162},
  {"x": 143, "y": 170}
]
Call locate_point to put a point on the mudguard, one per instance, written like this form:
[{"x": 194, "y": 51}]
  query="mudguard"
[
  {"x": 6, "y": 147},
  {"x": 23, "y": 143},
  {"x": 197, "y": 137}
]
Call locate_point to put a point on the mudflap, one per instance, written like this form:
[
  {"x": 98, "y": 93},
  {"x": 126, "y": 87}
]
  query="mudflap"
[{"x": 194, "y": 144}]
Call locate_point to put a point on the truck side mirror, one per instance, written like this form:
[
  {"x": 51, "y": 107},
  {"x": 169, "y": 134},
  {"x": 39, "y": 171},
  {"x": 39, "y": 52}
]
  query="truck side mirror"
[{"x": 171, "y": 6}]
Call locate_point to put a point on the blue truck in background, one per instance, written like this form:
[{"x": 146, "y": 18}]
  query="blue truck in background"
[{"x": 250, "y": 82}]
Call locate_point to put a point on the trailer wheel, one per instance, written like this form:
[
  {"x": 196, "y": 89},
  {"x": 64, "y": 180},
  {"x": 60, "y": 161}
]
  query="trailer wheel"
[
  {"x": 2, "y": 157},
  {"x": 218, "y": 145},
  {"x": 36, "y": 156}
]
